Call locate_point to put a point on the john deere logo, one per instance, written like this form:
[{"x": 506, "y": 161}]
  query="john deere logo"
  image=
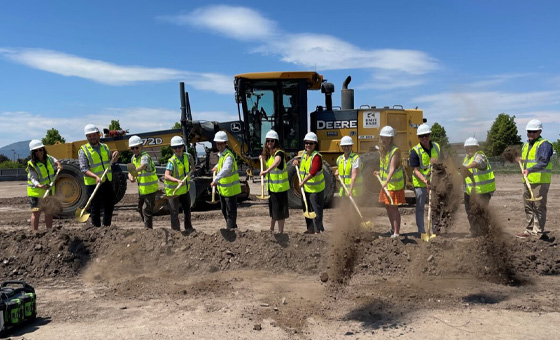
[{"x": 235, "y": 127}]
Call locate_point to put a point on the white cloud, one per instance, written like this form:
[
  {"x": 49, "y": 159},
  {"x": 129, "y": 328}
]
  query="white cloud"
[
  {"x": 113, "y": 74},
  {"x": 498, "y": 79},
  {"x": 235, "y": 22},
  {"x": 472, "y": 113},
  {"x": 21, "y": 125},
  {"x": 308, "y": 50}
]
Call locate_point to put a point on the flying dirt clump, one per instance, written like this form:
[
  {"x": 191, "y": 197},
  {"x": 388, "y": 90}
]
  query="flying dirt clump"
[
  {"x": 446, "y": 188},
  {"x": 51, "y": 205},
  {"x": 511, "y": 153}
]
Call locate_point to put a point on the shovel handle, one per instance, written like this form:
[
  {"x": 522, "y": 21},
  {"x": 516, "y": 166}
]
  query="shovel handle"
[
  {"x": 213, "y": 188},
  {"x": 350, "y": 197},
  {"x": 262, "y": 177},
  {"x": 97, "y": 186},
  {"x": 385, "y": 190},
  {"x": 526, "y": 180},
  {"x": 51, "y": 184},
  {"x": 182, "y": 182},
  {"x": 302, "y": 191}
]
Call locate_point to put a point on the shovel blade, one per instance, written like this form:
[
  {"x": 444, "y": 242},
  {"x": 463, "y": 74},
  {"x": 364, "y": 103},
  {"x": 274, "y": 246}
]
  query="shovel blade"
[
  {"x": 366, "y": 224},
  {"x": 425, "y": 237},
  {"x": 311, "y": 214},
  {"x": 212, "y": 202},
  {"x": 262, "y": 197},
  {"x": 81, "y": 215}
]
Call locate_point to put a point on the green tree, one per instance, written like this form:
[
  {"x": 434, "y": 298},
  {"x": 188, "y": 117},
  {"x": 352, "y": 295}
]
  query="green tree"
[
  {"x": 3, "y": 158},
  {"x": 177, "y": 125},
  {"x": 556, "y": 146},
  {"x": 166, "y": 153},
  {"x": 502, "y": 134},
  {"x": 439, "y": 136},
  {"x": 115, "y": 125},
  {"x": 52, "y": 137}
]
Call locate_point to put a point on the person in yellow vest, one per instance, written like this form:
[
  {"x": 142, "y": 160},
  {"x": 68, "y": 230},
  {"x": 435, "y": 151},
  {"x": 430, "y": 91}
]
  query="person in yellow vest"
[
  {"x": 313, "y": 182},
  {"x": 179, "y": 166},
  {"x": 94, "y": 158},
  {"x": 535, "y": 158},
  {"x": 392, "y": 176},
  {"x": 479, "y": 185},
  {"x": 147, "y": 180},
  {"x": 40, "y": 173},
  {"x": 227, "y": 180},
  {"x": 277, "y": 178},
  {"x": 421, "y": 158},
  {"x": 349, "y": 168}
]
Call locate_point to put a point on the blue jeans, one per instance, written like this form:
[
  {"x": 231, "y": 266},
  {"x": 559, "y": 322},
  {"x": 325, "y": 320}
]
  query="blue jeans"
[{"x": 421, "y": 197}]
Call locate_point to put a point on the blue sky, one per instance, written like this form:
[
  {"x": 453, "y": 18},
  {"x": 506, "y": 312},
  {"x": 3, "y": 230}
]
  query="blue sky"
[{"x": 64, "y": 64}]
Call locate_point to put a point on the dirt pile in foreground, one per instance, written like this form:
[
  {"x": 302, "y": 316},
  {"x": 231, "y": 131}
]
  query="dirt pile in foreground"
[{"x": 114, "y": 253}]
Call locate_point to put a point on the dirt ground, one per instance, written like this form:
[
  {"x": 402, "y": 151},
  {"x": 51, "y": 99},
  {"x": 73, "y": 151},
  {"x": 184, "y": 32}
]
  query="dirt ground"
[{"x": 125, "y": 282}]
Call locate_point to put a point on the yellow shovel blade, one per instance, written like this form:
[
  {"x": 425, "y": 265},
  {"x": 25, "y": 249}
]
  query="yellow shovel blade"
[
  {"x": 534, "y": 199},
  {"x": 263, "y": 197},
  {"x": 366, "y": 224},
  {"x": 81, "y": 215},
  {"x": 309, "y": 214},
  {"x": 425, "y": 237}
]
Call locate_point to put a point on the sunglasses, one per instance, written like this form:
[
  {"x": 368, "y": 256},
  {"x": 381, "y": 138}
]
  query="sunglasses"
[
  {"x": 134, "y": 147},
  {"x": 270, "y": 140},
  {"x": 309, "y": 143},
  {"x": 37, "y": 150},
  {"x": 177, "y": 147},
  {"x": 533, "y": 131},
  {"x": 424, "y": 136}
]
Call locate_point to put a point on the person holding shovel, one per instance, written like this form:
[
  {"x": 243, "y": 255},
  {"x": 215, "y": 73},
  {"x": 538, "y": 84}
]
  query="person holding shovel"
[
  {"x": 40, "y": 173},
  {"x": 479, "y": 184},
  {"x": 313, "y": 182},
  {"x": 277, "y": 178},
  {"x": 145, "y": 173},
  {"x": 392, "y": 178},
  {"x": 349, "y": 167},
  {"x": 421, "y": 158},
  {"x": 226, "y": 180},
  {"x": 178, "y": 167},
  {"x": 537, "y": 169},
  {"x": 95, "y": 157}
]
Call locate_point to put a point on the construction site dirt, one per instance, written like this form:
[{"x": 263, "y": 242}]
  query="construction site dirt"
[{"x": 125, "y": 282}]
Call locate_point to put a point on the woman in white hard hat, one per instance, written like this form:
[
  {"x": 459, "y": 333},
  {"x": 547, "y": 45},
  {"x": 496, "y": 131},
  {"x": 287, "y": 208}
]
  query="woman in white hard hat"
[
  {"x": 277, "y": 178},
  {"x": 178, "y": 167},
  {"x": 349, "y": 168},
  {"x": 313, "y": 182},
  {"x": 392, "y": 177},
  {"x": 145, "y": 170},
  {"x": 479, "y": 186},
  {"x": 40, "y": 173},
  {"x": 227, "y": 180}
]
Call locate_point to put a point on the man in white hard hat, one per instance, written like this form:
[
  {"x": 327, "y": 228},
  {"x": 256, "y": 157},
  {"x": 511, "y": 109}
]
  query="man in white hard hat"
[
  {"x": 535, "y": 158},
  {"x": 479, "y": 186},
  {"x": 227, "y": 180},
  {"x": 349, "y": 168},
  {"x": 421, "y": 158},
  {"x": 178, "y": 167},
  {"x": 94, "y": 158},
  {"x": 146, "y": 176},
  {"x": 313, "y": 182}
]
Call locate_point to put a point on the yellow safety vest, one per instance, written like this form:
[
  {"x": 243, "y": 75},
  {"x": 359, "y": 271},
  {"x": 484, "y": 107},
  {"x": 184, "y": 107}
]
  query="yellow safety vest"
[
  {"x": 316, "y": 183},
  {"x": 345, "y": 173},
  {"x": 425, "y": 165},
  {"x": 147, "y": 178},
  {"x": 97, "y": 163},
  {"x": 277, "y": 179},
  {"x": 44, "y": 176},
  {"x": 484, "y": 179},
  {"x": 229, "y": 185},
  {"x": 181, "y": 168},
  {"x": 397, "y": 180},
  {"x": 529, "y": 159}
]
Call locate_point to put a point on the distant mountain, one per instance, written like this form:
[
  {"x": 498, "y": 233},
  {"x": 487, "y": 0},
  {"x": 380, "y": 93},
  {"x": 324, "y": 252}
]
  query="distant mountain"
[{"x": 21, "y": 150}]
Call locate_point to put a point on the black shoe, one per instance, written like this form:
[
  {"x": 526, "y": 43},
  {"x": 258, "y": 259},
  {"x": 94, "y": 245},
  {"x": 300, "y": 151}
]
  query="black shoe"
[
  {"x": 309, "y": 232},
  {"x": 189, "y": 231}
]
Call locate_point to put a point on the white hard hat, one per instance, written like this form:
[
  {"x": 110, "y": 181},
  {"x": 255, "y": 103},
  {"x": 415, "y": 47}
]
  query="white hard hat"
[
  {"x": 221, "y": 136},
  {"x": 346, "y": 140},
  {"x": 423, "y": 130},
  {"x": 534, "y": 124},
  {"x": 135, "y": 140},
  {"x": 272, "y": 135},
  {"x": 176, "y": 141},
  {"x": 35, "y": 144},
  {"x": 311, "y": 136},
  {"x": 387, "y": 131},
  {"x": 471, "y": 141},
  {"x": 90, "y": 128}
]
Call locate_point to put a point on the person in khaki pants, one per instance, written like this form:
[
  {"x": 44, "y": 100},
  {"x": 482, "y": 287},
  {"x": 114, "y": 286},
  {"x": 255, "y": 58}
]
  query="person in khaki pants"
[{"x": 535, "y": 159}]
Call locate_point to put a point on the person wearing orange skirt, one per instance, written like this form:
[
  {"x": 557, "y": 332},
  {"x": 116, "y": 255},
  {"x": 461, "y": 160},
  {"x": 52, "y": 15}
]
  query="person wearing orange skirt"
[{"x": 392, "y": 178}]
